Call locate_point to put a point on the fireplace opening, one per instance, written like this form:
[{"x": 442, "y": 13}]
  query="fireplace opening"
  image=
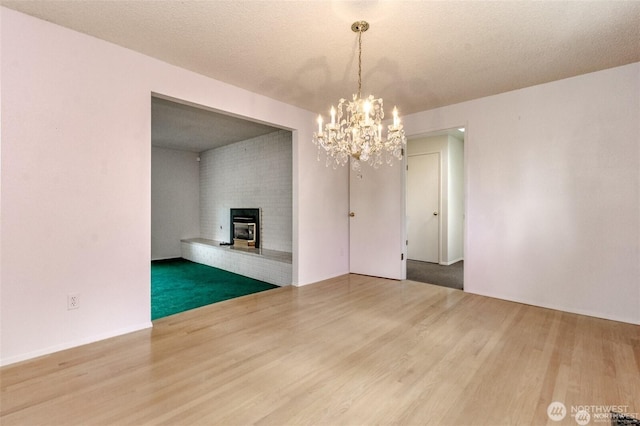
[
  {"x": 245, "y": 227},
  {"x": 244, "y": 231}
]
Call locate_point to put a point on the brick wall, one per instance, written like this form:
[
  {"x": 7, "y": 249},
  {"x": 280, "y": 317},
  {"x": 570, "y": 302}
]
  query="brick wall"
[{"x": 256, "y": 173}]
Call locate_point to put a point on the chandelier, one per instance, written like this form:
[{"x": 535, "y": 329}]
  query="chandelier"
[{"x": 355, "y": 132}]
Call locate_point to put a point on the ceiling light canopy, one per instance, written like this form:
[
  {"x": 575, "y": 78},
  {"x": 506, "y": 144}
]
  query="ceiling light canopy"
[{"x": 355, "y": 132}]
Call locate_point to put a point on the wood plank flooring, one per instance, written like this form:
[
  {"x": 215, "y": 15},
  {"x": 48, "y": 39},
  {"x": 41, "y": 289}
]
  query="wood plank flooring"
[{"x": 352, "y": 350}]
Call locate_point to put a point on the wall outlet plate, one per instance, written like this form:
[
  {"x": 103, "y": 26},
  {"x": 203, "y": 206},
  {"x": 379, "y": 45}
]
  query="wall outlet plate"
[{"x": 73, "y": 301}]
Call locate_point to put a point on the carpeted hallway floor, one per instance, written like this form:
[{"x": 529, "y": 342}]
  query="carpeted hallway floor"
[{"x": 432, "y": 273}]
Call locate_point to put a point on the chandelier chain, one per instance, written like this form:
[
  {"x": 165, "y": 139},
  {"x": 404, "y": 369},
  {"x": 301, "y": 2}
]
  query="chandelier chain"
[{"x": 359, "y": 63}]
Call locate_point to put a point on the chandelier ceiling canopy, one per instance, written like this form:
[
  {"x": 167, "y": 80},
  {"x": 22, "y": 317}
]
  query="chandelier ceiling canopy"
[{"x": 355, "y": 132}]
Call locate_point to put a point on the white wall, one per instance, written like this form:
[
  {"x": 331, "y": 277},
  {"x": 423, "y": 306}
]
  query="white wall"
[
  {"x": 76, "y": 184},
  {"x": 175, "y": 200},
  {"x": 255, "y": 173},
  {"x": 553, "y": 200}
]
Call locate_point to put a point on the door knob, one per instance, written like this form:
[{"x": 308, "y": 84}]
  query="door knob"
[
  {"x": 435, "y": 213},
  {"x": 352, "y": 214}
]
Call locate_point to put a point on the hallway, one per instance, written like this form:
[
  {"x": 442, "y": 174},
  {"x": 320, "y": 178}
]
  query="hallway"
[{"x": 432, "y": 273}]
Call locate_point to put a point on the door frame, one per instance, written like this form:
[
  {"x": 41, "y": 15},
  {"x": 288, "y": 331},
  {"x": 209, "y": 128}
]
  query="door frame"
[{"x": 465, "y": 183}]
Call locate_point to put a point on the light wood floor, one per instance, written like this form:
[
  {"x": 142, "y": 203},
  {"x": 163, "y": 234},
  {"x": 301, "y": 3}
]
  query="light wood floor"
[{"x": 353, "y": 350}]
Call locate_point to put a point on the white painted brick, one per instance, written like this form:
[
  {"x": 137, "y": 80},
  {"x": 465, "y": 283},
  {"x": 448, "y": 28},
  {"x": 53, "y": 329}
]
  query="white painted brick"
[
  {"x": 257, "y": 267},
  {"x": 256, "y": 173}
]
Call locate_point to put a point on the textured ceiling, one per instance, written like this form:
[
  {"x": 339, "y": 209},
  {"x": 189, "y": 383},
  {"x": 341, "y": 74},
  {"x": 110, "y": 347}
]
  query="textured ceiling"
[
  {"x": 417, "y": 54},
  {"x": 184, "y": 127}
]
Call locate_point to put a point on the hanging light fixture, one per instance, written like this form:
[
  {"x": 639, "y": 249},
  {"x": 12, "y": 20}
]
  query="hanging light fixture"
[{"x": 355, "y": 132}]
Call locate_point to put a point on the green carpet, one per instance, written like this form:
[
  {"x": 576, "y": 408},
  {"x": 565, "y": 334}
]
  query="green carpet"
[{"x": 178, "y": 285}]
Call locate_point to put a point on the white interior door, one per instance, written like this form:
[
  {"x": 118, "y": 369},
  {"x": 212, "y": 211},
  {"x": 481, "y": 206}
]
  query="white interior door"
[
  {"x": 377, "y": 230},
  {"x": 423, "y": 195}
]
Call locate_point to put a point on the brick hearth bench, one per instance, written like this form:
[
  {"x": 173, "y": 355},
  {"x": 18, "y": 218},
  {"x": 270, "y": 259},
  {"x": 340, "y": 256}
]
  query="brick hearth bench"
[{"x": 261, "y": 264}]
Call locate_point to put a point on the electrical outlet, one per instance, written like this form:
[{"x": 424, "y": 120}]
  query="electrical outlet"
[{"x": 73, "y": 301}]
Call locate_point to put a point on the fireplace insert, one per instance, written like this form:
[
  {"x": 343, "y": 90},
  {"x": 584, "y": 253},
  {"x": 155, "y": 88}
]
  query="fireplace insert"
[{"x": 245, "y": 227}]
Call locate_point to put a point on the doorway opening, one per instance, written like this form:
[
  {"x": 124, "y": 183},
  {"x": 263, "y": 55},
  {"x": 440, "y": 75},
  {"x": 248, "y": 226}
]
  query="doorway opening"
[
  {"x": 435, "y": 208},
  {"x": 207, "y": 165}
]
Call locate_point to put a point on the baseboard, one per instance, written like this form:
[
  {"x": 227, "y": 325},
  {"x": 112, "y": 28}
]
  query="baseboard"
[
  {"x": 451, "y": 262},
  {"x": 319, "y": 279},
  {"x": 165, "y": 258},
  {"x": 585, "y": 312},
  {"x": 73, "y": 344}
]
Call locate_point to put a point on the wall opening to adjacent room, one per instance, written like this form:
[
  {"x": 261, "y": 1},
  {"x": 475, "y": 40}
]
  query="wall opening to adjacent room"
[
  {"x": 435, "y": 207},
  {"x": 206, "y": 163}
]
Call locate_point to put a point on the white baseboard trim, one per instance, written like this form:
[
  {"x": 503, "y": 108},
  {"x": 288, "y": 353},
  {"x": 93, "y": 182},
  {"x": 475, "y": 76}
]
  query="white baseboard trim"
[
  {"x": 73, "y": 344},
  {"x": 451, "y": 262},
  {"x": 166, "y": 258},
  {"x": 555, "y": 307}
]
